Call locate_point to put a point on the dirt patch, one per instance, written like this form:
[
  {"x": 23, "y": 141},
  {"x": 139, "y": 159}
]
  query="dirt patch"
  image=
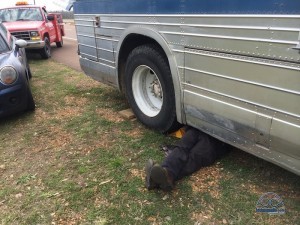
[
  {"x": 153, "y": 220},
  {"x": 71, "y": 101},
  {"x": 203, "y": 218},
  {"x": 71, "y": 219},
  {"x": 41, "y": 115},
  {"x": 76, "y": 79},
  {"x": 53, "y": 138},
  {"x": 109, "y": 115},
  {"x": 74, "y": 106},
  {"x": 137, "y": 133},
  {"x": 137, "y": 173},
  {"x": 207, "y": 180},
  {"x": 100, "y": 202},
  {"x": 87, "y": 147},
  {"x": 39, "y": 83},
  {"x": 88, "y": 84},
  {"x": 68, "y": 112}
]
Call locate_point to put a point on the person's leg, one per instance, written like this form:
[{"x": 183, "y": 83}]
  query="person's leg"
[
  {"x": 161, "y": 178},
  {"x": 189, "y": 139},
  {"x": 148, "y": 180},
  {"x": 201, "y": 155},
  {"x": 164, "y": 175},
  {"x": 178, "y": 157}
]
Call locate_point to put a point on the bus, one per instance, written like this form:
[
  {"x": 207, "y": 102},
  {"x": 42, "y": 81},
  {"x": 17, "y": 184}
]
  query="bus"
[{"x": 230, "y": 68}]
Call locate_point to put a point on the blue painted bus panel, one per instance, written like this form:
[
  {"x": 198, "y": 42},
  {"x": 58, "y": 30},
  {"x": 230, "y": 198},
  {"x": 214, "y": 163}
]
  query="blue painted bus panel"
[{"x": 187, "y": 7}]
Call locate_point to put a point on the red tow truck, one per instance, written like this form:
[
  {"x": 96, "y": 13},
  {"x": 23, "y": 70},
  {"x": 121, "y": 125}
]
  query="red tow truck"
[{"x": 35, "y": 25}]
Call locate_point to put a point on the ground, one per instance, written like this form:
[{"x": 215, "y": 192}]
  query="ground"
[{"x": 75, "y": 160}]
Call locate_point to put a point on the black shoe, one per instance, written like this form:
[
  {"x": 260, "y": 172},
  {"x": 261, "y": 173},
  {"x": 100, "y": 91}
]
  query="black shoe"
[
  {"x": 150, "y": 185},
  {"x": 161, "y": 177}
]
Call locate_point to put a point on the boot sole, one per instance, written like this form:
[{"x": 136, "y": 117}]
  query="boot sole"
[
  {"x": 159, "y": 176},
  {"x": 148, "y": 181}
]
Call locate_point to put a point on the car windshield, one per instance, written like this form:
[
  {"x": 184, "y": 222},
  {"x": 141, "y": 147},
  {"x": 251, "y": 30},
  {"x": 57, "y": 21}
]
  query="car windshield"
[
  {"x": 20, "y": 14},
  {"x": 3, "y": 45}
]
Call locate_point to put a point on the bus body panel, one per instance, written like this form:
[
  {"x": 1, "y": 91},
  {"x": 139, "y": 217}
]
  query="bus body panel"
[{"x": 235, "y": 65}]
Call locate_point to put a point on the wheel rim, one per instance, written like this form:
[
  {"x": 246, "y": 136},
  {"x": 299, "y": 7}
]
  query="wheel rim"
[{"x": 147, "y": 91}]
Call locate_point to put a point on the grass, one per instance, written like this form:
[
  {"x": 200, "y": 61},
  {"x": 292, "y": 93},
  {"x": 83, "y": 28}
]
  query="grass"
[{"x": 76, "y": 161}]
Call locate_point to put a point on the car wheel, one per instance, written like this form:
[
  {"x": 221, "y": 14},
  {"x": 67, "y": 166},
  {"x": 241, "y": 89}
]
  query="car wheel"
[
  {"x": 46, "y": 51},
  {"x": 60, "y": 43},
  {"x": 149, "y": 88},
  {"x": 29, "y": 74},
  {"x": 30, "y": 101}
]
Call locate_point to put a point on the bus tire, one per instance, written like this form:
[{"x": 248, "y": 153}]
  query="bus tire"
[
  {"x": 149, "y": 88},
  {"x": 46, "y": 51}
]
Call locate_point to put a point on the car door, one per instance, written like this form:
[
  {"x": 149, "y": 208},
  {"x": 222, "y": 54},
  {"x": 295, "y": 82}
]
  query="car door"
[{"x": 50, "y": 27}]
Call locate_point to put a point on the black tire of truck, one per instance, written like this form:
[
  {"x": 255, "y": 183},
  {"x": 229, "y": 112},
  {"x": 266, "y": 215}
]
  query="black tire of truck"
[
  {"x": 46, "y": 51},
  {"x": 149, "y": 88},
  {"x": 59, "y": 44}
]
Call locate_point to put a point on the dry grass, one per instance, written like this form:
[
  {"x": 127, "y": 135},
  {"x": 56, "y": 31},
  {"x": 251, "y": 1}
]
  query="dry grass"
[{"x": 75, "y": 160}]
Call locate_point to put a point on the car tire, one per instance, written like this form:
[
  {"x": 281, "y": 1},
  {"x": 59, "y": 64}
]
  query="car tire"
[
  {"x": 46, "y": 51},
  {"x": 149, "y": 88},
  {"x": 29, "y": 74},
  {"x": 30, "y": 101}
]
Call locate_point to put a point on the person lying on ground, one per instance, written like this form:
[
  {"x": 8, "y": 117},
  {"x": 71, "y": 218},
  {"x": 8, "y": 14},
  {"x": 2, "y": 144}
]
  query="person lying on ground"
[{"x": 194, "y": 150}]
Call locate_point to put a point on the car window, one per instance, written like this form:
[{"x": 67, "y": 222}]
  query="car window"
[
  {"x": 3, "y": 46},
  {"x": 20, "y": 14}
]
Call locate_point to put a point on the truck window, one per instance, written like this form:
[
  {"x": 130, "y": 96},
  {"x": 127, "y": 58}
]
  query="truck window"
[
  {"x": 45, "y": 13},
  {"x": 20, "y": 14}
]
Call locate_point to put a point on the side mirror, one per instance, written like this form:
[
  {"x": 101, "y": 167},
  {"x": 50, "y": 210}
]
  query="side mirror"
[
  {"x": 50, "y": 17},
  {"x": 21, "y": 43}
]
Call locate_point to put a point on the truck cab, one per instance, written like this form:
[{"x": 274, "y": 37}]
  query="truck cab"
[{"x": 35, "y": 25}]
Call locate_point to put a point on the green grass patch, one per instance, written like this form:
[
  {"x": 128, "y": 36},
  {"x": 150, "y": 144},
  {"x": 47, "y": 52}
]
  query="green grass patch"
[{"x": 76, "y": 161}]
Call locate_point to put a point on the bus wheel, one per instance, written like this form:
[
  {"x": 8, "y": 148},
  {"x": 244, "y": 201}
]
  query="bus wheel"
[
  {"x": 46, "y": 51},
  {"x": 149, "y": 88}
]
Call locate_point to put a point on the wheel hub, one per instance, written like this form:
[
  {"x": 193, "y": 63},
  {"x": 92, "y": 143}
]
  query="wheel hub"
[
  {"x": 156, "y": 89},
  {"x": 147, "y": 90}
]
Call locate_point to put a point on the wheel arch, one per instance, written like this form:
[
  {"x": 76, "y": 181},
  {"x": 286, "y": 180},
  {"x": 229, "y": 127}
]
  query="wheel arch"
[
  {"x": 136, "y": 36},
  {"x": 46, "y": 35}
]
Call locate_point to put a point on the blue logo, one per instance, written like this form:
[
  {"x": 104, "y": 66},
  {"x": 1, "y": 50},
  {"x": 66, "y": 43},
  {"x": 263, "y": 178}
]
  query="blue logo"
[{"x": 270, "y": 203}]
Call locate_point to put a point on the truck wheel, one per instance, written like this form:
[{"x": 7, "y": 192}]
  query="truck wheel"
[
  {"x": 60, "y": 43},
  {"x": 149, "y": 88},
  {"x": 46, "y": 51}
]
